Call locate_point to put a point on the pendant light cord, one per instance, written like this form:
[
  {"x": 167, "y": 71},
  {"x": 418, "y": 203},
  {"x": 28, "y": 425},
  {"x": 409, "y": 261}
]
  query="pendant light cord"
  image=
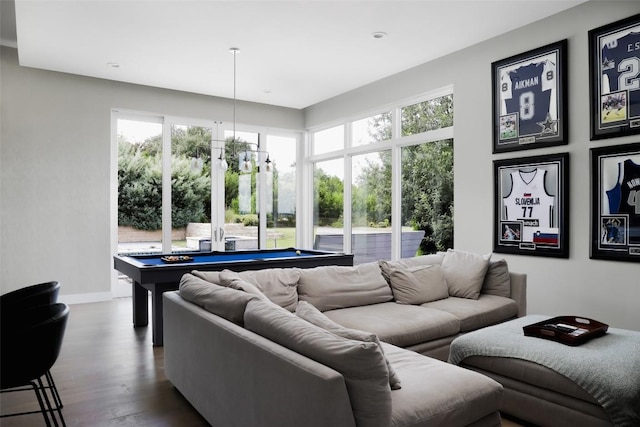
[{"x": 234, "y": 50}]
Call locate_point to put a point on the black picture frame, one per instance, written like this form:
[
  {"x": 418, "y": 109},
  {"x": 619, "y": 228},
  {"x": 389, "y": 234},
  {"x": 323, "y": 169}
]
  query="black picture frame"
[
  {"x": 614, "y": 83},
  {"x": 530, "y": 208},
  {"x": 529, "y": 99},
  {"x": 615, "y": 202}
]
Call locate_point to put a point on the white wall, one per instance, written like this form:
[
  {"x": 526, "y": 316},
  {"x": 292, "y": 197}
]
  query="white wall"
[
  {"x": 55, "y": 169},
  {"x": 605, "y": 290}
]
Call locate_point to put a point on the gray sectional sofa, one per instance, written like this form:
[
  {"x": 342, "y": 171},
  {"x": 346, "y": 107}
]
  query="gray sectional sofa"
[{"x": 332, "y": 346}]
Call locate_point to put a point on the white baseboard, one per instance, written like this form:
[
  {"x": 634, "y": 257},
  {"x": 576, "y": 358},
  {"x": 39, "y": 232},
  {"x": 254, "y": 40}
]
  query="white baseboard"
[{"x": 85, "y": 298}]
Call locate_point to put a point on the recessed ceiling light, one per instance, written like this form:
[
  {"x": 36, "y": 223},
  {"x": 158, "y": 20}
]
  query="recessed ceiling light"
[
  {"x": 113, "y": 65},
  {"x": 379, "y": 35}
]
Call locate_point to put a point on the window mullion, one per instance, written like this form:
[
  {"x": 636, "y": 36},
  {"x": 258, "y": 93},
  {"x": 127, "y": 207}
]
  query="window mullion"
[{"x": 166, "y": 187}]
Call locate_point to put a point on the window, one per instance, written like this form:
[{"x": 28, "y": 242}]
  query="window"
[
  {"x": 371, "y": 206},
  {"x": 328, "y": 204},
  {"x": 399, "y": 202},
  {"x": 190, "y": 187},
  {"x": 139, "y": 185},
  {"x": 428, "y": 167},
  {"x": 371, "y": 129},
  {"x": 427, "y": 115},
  {"x": 281, "y": 192},
  {"x": 328, "y": 140},
  {"x": 171, "y": 197}
]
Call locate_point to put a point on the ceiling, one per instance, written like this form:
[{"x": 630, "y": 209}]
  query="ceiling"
[{"x": 292, "y": 53}]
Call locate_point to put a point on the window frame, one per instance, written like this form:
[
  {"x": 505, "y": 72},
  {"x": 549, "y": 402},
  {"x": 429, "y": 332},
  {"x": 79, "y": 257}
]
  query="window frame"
[{"x": 395, "y": 144}]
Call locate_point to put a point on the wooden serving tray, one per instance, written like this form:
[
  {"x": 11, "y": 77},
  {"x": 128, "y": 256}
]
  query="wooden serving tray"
[{"x": 569, "y": 330}]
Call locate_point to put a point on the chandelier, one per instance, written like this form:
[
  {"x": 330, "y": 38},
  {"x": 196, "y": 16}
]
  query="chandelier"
[{"x": 247, "y": 154}]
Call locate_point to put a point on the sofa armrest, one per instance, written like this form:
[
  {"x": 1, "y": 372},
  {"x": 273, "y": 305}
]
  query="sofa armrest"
[
  {"x": 519, "y": 291},
  {"x": 234, "y": 377}
]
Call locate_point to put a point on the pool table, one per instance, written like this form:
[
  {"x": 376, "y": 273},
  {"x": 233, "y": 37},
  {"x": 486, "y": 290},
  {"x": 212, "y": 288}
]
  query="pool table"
[{"x": 150, "y": 273}]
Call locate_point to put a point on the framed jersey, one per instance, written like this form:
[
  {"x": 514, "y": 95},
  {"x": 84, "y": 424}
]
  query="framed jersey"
[
  {"x": 614, "y": 77},
  {"x": 615, "y": 202},
  {"x": 529, "y": 99},
  {"x": 530, "y": 210}
]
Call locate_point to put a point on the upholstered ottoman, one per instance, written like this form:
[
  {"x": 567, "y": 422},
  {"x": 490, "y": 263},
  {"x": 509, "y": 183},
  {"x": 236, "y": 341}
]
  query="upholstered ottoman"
[{"x": 549, "y": 383}]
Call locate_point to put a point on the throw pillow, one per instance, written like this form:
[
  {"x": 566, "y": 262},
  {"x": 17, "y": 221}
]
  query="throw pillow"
[
  {"x": 497, "y": 280},
  {"x": 224, "y": 302},
  {"x": 279, "y": 284},
  {"x": 464, "y": 272},
  {"x": 209, "y": 276},
  {"x": 417, "y": 285},
  {"x": 311, "y": 314},
  {"x": 276, "y": 284},
  {"x": 361, "y": 363},
  {"x": 232, "y": 280},
  {"x": 432, "y": 259},
  {"x": 332, "y": 287}
]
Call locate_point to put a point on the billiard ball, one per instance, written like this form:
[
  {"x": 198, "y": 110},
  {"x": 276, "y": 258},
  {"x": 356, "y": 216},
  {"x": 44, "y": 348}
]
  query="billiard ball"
[{"x": 297, "y": 252}]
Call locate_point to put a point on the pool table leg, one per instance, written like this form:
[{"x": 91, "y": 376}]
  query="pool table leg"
[
  {"x": 140, "y": 305},
  {"x": 156, "y": 317}
]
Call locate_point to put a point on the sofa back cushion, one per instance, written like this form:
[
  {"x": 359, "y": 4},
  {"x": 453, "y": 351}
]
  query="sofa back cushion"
[
  {"x": 432, "y": 259},
  {"x": 418, "y": 285},
  {"x": 278, "y": 284},
  {"x": 225, "y": 302},
  {"x": 464, "y": 272},
  {"x": 497, "y": 281},
  {"x": 311, "y": 314},
  {"x": 332, "y": 287},
  {"x": 361, "y": 363}
]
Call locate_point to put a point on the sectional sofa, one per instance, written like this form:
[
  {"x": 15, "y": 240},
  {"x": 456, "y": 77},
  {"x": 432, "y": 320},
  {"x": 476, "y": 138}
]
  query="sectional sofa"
[{"x": 339, "y": 346}]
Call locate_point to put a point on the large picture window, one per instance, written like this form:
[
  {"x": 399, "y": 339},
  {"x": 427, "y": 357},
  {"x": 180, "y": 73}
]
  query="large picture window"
[
  {"x": 171, "y": 193},
  {"x": 399, "y": 164}
]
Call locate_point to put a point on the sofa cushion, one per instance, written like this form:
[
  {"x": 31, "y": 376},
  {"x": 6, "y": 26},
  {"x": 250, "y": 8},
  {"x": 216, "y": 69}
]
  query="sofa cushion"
[
  {"x": 432, "y": 259},
  {"x": 455, "y": 397},
  {"x": 417, "y": 285},
  {"x": 278, "y": 284},
  {"x": 225, "y": 302},
  {"x": 464, "y": 272},
  {"x": 497, "y": 280},
  {"x": 331, "y": 287},
  {"x": 231, "y": 279},
  {"x": 311, "y": 314},
  {"x": 361, "y": 363},
  {"x": 209, "y": 276},
  {"x": 399, "y": 324},
  {"x": 475, "y": 314}
]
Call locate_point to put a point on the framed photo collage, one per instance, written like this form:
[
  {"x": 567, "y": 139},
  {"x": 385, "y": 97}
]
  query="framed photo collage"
[{"x": 530, "y": 110}]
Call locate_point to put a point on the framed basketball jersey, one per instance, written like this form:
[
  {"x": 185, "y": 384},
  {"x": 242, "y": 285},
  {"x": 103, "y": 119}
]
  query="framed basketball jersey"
[
  {"x": 615, "y": 210},
  {"x": 530, "y": 209},
  {"x": 529, "y": 99},
  {"x": 614, "y": 74}
]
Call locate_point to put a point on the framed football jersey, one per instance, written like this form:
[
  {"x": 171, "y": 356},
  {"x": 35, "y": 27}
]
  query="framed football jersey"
[
  {"x": 614, "y": 77},
  {"x": 615, "y": 202},
  {"x": 529, "y": 99},
  {"x": 530, "y": 210}
]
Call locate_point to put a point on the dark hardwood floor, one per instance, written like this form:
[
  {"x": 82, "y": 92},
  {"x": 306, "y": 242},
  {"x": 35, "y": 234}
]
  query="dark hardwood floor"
[{"x": 108, "y": 374}]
